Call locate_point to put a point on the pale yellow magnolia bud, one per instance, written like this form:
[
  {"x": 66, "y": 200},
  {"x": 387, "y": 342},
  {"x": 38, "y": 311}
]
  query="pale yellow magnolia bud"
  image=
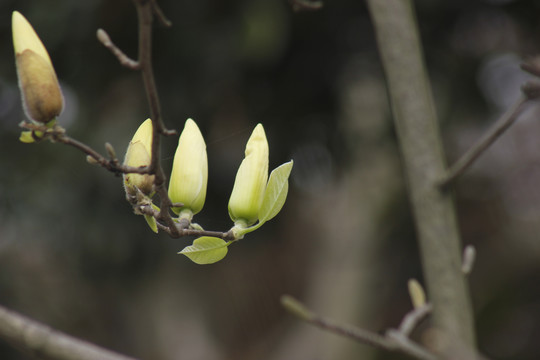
[
  {"x": 251, "y": 179},
  {"x": 139, "y": 153},
  {"x": 42, "y": 97},
  {"x": 189, "y": 175}
]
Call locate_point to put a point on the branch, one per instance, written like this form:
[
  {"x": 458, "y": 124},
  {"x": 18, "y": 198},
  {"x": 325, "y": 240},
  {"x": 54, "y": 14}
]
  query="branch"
[
  {"x": 58, "y": 134},
  {"x": 421, "y": 149},
  {"x": 500, "y": 126},
  {"x": 182, "y": 229},
  {"x": 43, "y": 342},
  {"x": 125, "y": 60},
  {"x": 160, "y": 15},
  {"x": 145, "y": 13},
  {"x": 394, "y": 340},
  {"x": 412, "y": 319}
]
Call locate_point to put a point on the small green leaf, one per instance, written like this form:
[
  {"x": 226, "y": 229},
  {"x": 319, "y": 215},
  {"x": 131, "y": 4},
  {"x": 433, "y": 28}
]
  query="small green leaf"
[
  {"x": 151, "y": 222},
  {"x": 276, "y": 192},
  {"x": 206, "y": 250},
  {"x": 274, "y": 198},
  {"x": 26, "y": 137}
]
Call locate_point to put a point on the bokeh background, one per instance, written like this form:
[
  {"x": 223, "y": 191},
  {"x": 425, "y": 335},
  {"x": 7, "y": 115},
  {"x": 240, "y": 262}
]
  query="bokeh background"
[{"x": 74, "y": 256}]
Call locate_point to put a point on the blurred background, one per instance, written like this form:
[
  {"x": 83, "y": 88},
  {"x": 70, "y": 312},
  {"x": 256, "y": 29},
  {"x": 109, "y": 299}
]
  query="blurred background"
[{"x": 73, "y": 255}]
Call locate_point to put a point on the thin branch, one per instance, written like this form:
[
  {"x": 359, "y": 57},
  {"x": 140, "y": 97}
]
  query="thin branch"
[
  {"x": 498, "y": 128},
  {"x": 222, "y": 235},
  {"x": 43, "y": 342},
  {"x": 146, "y": 209},
  {"x": 57, "y": 134},
  {"x": 394, "y": 340},
  {"x": 364, "y": 336},
  {"x": 412, "y": 319},
  {"x": 125, "y": 60},
  {"x": 409, "y": 347},
  {"x": 160, "y": 15},
  {"x": 146, "y": 9},
  {"x": 145, "y": 13}
]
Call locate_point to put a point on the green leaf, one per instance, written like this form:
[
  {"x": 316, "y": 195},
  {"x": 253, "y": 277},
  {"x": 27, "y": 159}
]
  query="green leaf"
[
  {"x": 276, "y": 192},
  {"x": 274, "y": 198},
  {"x": 151, "y": 222},
  {"x": 206, "y": 250},
  {"x": 26, "y": 137}
]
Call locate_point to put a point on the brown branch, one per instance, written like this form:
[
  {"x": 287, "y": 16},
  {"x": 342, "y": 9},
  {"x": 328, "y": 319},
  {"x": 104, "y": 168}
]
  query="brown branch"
[
  {"x": 112, "y": 165},
  {"x": 498, "y": 128},
  {"x": 394, "y": 340},
  {"x": 145, "y": 13},
  {"x": 182, "y": 229},
  {"x": 125, "y": 60},
  {"x": 160, "y": 15},
  {"x": 57, "y": 134},
  {"x": 43, "y": 342},
  {"x": 194, "y": 232}
]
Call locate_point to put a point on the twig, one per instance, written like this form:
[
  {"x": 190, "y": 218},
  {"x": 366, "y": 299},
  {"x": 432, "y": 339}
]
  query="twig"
[
  {"x": 160, "y": 15},
  {"x": 298, "y": 309},
  {"x": 125, "y": 60},
  {"x": 57, "y": 134},
  {"x": 145, "y": 12},
  {"x": 194, "y": 232},
  {"x": 412, "y": 319},
  {"x": 148, "y": 210},
  {"x": 500, "y": 126},
  {"x": 44, "y": 342},
  {"x": 394, "y": 340},
  {"x": 407, "y": 346}
]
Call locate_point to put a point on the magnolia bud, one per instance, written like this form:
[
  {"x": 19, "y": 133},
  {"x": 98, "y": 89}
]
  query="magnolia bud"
[
  {"x": 251, "y": 179},
  {"x": 42, "y": 97},
  {"x": 189, "y": 175},
  {"x": 139, "y": 153}
]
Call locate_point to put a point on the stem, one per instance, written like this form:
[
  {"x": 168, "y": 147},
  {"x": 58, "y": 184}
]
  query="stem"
[
  {"x": 393, "y": 340},
  {"x": 506, "y": 120},
  {"x": 145, "y": 13},
  {"x": 57, "y": 134},
  {"x": 43, "y": 342},
  {"x": 421, "y": 149},
  {"x": 124, "y": 60},
  {"x": 182, "y": 231}
]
